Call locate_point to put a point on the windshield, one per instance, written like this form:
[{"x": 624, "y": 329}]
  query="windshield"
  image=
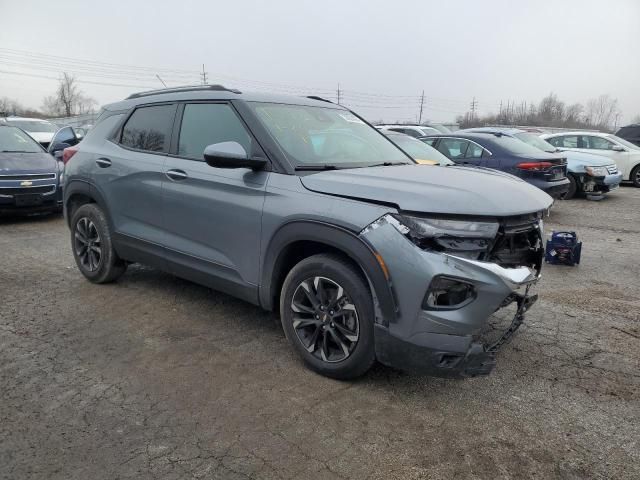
[
  {"x": 327, "y": 137},
  {"x": 441, "y": 128},
  {"x": 15, "y": 140},
  {"x": 419, "y": 150},
  {"x": 535, "y": 141},
  {"x": 622, "y": 141},
  {"x": 33, "y": 125}
]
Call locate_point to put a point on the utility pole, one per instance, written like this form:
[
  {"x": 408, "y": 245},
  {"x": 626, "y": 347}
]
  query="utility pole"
[
  {"x": 615, "y": 123},
  {"x": 474, "y": 104},
  {"x": 421, "y": 105},
  {"x": 338, "y": 94},
  {"x": 203, "y": 76}
]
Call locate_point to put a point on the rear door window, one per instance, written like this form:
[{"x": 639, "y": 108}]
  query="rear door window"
[
  {"x": 454, "y": 148},
  {"x": 204, "y": 124},
  {"x": 474, "y": 151},
  {"x": 596, "y": 143},
  {"x": 568, "y": 141},
  {"x": 149, "y": 128}
]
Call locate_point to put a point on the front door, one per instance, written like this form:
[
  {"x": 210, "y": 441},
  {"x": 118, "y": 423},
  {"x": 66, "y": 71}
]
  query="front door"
[{"x": 213, "y": 215}]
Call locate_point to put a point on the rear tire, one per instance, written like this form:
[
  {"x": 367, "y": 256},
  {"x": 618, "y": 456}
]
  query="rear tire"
[
  {"x": 92, "y": 245},
  {"x": 573, "y": 188},
  {"x": 635, "y": 176},
  {"x": 327, "y": 314}
]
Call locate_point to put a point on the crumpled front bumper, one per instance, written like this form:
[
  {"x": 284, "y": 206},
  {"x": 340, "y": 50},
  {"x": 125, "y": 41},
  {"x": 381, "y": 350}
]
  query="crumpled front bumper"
[{"x": 442, "y": 342}]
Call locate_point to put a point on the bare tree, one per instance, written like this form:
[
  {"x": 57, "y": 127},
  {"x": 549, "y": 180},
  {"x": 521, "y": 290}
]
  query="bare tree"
[
  {"x": 601, "y": 111},
  {"x": 10, "y": 107},
  {"x": 68, "y": 99}
]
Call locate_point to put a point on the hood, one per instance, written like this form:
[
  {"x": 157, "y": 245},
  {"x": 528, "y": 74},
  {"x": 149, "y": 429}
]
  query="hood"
[
  {"x": 41, "y": 137},
  {"x": 446, "y": 190},
  {"x": 584, "y": 159},
  {"x": 27, "y": 162}
]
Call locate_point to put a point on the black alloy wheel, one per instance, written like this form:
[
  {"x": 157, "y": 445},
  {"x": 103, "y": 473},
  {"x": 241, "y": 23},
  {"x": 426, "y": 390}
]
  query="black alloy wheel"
[
  {"x": 325, "y": 319},
  {"x": 87, "y": 244}
]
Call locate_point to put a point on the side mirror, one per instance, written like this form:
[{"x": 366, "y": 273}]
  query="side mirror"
[
  {"x": 57, "y": 148},
  {"x": 231, "y": 155},
  {"x": 618, "y": 148}
]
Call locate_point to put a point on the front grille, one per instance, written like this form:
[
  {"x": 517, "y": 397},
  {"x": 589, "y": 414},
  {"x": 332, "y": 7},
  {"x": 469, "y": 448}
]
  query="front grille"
[
  {"x": 44, "y": 189},
  {"x": 612, "y": 169},
  {"x": 27, "y": 176}
]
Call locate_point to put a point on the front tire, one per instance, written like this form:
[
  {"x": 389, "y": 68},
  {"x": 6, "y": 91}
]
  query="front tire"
[
  {"x": 92, "y": 245},
  {"x": 327, "y": 314},
  {"x": 635, "y": 176}
]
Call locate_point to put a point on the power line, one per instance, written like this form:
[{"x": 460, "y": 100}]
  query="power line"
[{"x": 77, "y": 80}]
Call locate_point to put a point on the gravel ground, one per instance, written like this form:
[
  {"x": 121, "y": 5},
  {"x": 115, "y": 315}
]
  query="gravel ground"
[{"x": 155, "y": 377}]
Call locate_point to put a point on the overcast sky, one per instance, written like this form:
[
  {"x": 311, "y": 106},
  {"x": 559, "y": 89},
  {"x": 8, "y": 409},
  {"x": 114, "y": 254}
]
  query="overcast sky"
[{"x": 383, "y": 54}]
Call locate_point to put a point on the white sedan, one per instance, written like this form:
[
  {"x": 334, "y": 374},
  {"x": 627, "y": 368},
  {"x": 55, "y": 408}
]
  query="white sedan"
[{"x": 625, "y": 154}]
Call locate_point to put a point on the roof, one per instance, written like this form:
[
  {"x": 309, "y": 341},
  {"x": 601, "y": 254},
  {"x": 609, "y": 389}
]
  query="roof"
[
  {"x": 505, "y": 130},
  {"x": 577, "y": 132},
  {"x": 215, "y": 92},
  {"x": 26, "y": 118},
  {"x": 462, "y": 134}
]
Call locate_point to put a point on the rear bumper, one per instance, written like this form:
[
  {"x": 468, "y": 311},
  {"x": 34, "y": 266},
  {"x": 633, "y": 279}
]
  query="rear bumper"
[{"x": 554, "y": 189}]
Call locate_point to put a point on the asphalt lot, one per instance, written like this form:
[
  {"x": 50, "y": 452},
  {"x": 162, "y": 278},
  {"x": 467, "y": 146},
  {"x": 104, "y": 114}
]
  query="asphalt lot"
[{"x": 155, "y": 377}]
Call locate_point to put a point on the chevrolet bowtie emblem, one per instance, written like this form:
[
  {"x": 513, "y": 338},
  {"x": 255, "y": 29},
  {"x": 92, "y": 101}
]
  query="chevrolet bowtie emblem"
[{"x": 26, "y": 183}]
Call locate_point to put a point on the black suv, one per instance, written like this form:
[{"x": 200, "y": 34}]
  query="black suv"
[{"x": 631, "y": 133}]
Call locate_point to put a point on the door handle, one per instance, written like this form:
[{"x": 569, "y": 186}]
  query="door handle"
[
  {"x": 176, "y": 174},
  {"x": 103, "y": 162}
]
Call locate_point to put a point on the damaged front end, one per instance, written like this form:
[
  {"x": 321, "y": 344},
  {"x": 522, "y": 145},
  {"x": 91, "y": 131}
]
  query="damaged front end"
[{"x": 449, "y": 276}]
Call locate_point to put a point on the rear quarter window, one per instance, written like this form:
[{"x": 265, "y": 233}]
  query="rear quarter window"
[{"x": 149, "y": 128}]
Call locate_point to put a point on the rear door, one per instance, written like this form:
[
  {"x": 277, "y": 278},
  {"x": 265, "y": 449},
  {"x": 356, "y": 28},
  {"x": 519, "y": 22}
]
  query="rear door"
[
  {"x": 213, "y": 215},
  {"x": 475, "y": 155},
  {"x": 128, "y": 173}
]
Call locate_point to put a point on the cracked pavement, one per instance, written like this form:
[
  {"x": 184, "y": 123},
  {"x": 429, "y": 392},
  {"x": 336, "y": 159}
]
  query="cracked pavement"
[{"x": 154, "y": 377}]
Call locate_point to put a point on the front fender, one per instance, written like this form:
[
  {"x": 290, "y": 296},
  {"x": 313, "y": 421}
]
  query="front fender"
[{"x": 344, "y": 240}]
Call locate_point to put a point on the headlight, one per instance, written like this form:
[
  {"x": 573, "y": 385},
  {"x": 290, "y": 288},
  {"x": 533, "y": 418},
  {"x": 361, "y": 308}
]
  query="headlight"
[
  {"x": 440, "y": 227},
  {"x": 464, "y": 238},
  {"x": 597, "y": 171}
]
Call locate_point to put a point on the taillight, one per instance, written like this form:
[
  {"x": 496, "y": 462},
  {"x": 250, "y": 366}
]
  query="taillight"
[
  {"x": 67, "y": 153},
  {"x": 534, "y": 166}
]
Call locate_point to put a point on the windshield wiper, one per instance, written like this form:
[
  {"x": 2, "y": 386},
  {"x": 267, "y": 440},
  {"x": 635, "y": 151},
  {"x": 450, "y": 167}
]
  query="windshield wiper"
[
  {"x": 15, "y": 151},
  {"x": 317, "y": 167},
  {"x": 389, "y": 164}
]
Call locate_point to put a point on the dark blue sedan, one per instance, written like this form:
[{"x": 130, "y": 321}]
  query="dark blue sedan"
[
  {"x": 30, "y": 178},
  {"x": 546, "y": 171}
]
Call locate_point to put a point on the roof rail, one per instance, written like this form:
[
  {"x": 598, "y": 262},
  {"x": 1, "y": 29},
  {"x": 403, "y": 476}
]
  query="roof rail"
[
  {"x": 191, "y": 88},
  {"x": 315, "y": 97}
]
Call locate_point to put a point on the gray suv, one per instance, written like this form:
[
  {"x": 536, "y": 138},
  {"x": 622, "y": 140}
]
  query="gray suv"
[{"x": 300, "y": 206}]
